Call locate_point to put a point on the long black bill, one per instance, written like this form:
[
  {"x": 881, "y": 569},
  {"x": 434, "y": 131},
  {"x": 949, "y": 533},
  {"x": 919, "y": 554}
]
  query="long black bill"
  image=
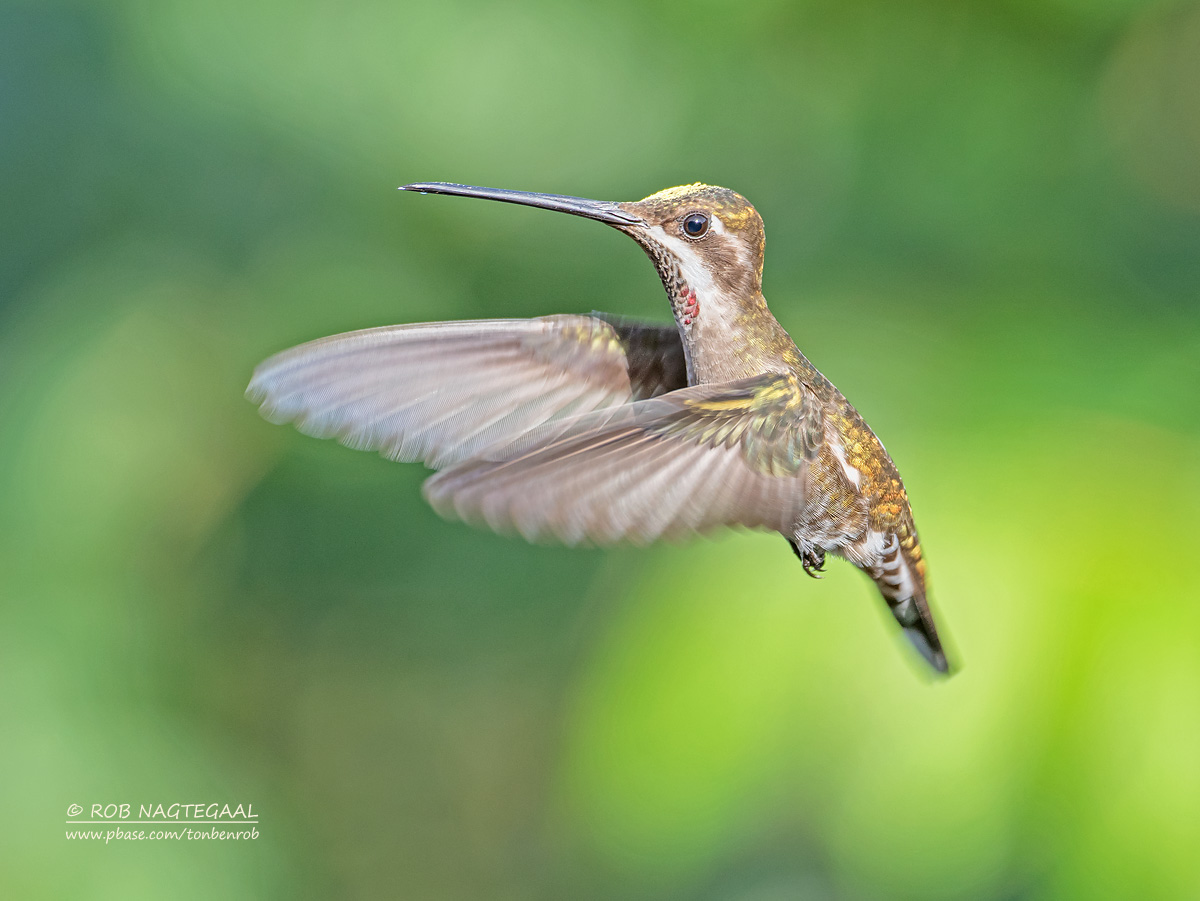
[{"x": 601, "y": 210}]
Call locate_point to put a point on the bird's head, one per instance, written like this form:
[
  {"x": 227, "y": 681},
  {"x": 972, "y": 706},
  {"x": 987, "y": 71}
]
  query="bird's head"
[
  {"x": 713, "y": 234},
  {"x": 706, "y": 242}
]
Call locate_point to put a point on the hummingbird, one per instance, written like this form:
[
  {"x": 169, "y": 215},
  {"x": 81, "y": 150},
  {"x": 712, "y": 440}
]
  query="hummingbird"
[{"x": 595, "y": 428}]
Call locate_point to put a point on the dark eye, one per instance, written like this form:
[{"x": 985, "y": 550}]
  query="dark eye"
[{"x": 695, "y": 225}]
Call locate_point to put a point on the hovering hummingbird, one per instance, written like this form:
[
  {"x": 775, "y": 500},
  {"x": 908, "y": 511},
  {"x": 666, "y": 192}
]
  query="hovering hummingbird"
[{"x": 592, "y": 428}]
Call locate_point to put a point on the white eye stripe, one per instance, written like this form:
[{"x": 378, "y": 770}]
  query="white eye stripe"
[
  {"x": 714, "y": 224},
  {"x": 691, "y": 267}
]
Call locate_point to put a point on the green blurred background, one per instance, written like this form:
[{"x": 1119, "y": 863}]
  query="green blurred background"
[{"x": 984, "y": 226}]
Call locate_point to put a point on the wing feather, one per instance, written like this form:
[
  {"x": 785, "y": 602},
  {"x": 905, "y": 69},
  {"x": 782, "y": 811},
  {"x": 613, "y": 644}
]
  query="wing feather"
[
  {"x": 444, "y": 392},
  {"x": 686, "y": 461}
]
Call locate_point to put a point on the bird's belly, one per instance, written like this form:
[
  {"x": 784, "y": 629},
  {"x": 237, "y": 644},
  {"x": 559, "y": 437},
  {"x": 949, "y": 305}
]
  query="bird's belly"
[{"x": 835, "y": 515}]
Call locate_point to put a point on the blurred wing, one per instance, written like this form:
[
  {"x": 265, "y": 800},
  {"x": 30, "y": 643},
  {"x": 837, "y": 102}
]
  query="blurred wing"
[
  {"x": 654, "y": 355},
  {"x": 441, "y": 392},
  {"x": 686, "y": 461}
]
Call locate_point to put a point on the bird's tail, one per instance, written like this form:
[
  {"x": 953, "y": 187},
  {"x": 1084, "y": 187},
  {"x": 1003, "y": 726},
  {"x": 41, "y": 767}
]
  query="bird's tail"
[
  {"x": 912, "y": 613},
  {"x": 901, "y": 580}
]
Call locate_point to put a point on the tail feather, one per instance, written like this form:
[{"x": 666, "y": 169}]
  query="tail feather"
[
  {"x": 917, "y": 622},
  {"x": 900, "y": 577}
]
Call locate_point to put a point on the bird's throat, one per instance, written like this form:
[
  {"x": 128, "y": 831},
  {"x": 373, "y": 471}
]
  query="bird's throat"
[{"x": 732, "y": 338}]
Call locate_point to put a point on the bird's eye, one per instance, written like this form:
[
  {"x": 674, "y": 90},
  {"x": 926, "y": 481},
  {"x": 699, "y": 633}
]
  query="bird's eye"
[{"x": 695, "y": 225}]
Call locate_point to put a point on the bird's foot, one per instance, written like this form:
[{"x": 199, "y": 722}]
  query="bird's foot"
[
  {"x": 813, "y": 562},
  {"x": 812, "y": 558}
]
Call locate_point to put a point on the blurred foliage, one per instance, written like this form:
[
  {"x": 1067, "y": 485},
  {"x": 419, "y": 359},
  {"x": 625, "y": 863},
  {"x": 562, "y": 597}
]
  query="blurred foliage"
[{"x": 984, "y": 226}]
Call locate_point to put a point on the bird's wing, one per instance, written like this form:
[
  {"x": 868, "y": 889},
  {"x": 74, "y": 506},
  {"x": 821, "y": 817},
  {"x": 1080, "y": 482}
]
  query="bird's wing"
[
  {"x": 441, "y": 392},
  {"x": 654, "y": 355},
  {"x": 685, "y": 461}
]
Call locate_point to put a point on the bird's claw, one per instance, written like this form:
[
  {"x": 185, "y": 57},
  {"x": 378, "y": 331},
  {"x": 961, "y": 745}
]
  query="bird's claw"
[
  {"x": 812, "y": 558},
  {"x": 813, "y": 561}
]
